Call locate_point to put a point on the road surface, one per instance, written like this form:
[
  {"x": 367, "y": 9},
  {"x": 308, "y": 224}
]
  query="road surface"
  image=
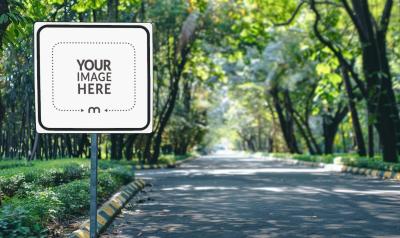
[{"x": 241, "y": 196}]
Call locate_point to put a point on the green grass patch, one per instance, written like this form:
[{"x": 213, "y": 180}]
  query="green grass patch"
[{"x": 8, "y": 163}]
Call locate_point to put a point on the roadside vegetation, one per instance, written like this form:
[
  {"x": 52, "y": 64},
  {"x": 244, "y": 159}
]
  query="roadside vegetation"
[
  {"x": 352, "y": 160},
  {"x": 38, "y": 197}
]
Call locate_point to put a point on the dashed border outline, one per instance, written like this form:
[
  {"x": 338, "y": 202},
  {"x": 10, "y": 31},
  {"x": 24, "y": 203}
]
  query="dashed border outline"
[
  {"x": 91, "y": 25},
  {"x": 94, "y": 43}
]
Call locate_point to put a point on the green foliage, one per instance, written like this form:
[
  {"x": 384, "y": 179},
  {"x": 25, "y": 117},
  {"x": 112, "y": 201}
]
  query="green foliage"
[
  {"x": 352, "y": 160},
  {"x": 122, "y": 174},
  {"x": 24, "y": 181},
  {"x": 74, "y": 197},
  {"x": 59, "y": 192},
  {"x": 370, "y": 163},
  {"x": 167, "y": 159},
  {"x": 10, "y": 185},
  {"x": 318, "y": 159},
  {"x": 15, "y": 223},
  {"x": 6, "y": 164}
]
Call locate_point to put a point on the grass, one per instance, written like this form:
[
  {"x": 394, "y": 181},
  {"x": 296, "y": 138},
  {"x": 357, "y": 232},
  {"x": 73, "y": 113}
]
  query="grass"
[{"x": 345, "y": 159}]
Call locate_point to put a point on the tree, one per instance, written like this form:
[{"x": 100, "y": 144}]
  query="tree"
[{"x": 378, "y": 91}]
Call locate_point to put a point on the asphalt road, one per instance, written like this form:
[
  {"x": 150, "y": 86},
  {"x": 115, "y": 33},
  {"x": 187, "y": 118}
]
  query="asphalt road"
[{"x": 239, "y": 196}]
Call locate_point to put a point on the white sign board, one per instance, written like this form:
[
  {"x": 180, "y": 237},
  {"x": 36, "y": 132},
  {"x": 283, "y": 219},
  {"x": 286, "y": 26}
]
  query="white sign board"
[{"x": 93, "y": 77}]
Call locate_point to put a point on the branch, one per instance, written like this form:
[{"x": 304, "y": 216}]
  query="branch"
[
  {"x": 385, "y": 18},
  {"x": 353, "y": 17},
  {"x": 294, "y": 14},
  {"x": 335, "y": 51},
  {"x": 341, "y": 112},
  {"x": 328, "y": 3}
]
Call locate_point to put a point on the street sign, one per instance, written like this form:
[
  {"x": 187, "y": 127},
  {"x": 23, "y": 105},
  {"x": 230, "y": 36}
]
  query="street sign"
[{"x": 93, "y": 77}]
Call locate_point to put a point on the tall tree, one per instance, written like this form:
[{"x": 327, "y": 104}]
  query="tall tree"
[
  {"x": 4, "y": 20},
  {"x": 381, "y": 98}
]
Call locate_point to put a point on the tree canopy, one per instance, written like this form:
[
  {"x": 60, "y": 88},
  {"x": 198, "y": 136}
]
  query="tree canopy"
[{"x": 303, "y": 76}]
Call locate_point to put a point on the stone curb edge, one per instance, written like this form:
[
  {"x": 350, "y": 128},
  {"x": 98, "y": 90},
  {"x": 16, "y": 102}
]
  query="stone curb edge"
[
  {"x": 164, "y": 166},
  {"x": 300, "y": 162},
  {"x": 110, "y": 209},
  {"x": 382, "y": 174},
  {"x": 154, "y": 166},
  {"x": 180, "y": 162}
]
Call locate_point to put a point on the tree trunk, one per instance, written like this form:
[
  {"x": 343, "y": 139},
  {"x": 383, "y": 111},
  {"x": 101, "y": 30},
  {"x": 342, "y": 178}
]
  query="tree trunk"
[
  {"x": 114, "y": 146},
  {"x": 81, "y": 146},
  {"x": 120, "y": 140},
  {"x": 129, "y": 146},
  {"x": 381, "y": 98},
  {"x": 286, "y": 123},
  {"x": 371, "y": 151},
  {"x": 34, "y": 148},
  {"x": 354, "y": 114},
  {"x": 330, "y": 127}
]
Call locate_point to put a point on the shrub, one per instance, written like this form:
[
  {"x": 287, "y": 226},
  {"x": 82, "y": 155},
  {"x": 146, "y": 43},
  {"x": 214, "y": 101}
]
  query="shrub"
[
  {"x": 9, "y": 185},
  {"x": 15, "y": 222},
  {"x": 123, "y": 174},
  {"x": 370, "y": 163},
  {"x": 74, "y": 197},
  {"x": 41, "y": 195},
  {"x": 166, "y": 159},
  {"x": 41, "y": 207},
  {"x": 107, "y": 185},
  {"x": 21, "y": 183}
]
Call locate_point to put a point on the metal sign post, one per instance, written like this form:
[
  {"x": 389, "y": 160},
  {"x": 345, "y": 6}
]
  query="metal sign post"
[
  {"x": 93, "y": 186},
  {"x": 93, "y": 78}
]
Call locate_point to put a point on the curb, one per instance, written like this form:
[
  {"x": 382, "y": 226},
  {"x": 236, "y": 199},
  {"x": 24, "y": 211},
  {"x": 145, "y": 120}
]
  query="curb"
[
  {"x": 164, "y": 166},
  {"x": 311, "y": 164},
  {"x": 154, "y": 166},
  {"x": 107, "y": 212},
  {"x": 300, "y": 162},
  {"x": 180, "y": 162},
  {"x": 382, "y": 174}
]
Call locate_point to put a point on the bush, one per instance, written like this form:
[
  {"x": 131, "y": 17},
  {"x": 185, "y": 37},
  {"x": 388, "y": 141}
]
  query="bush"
[
  {"x": 53, "y": 204},
  {"x": 370, "y": 163},
  {"x": 53, "y": 190},
  {"x": 107, "y": 186},
  {"x": 54, "y": 177},
  {"x": 166, "y": 159},
  {"x": 74, "y": 197},
  {"x": 22, "y": 183},
  {"x": 16, "y": 223},
  {"x": 9, "y": 185},
  {"x": 40, "y": 206},
  {"x": 122, "y": 174}
]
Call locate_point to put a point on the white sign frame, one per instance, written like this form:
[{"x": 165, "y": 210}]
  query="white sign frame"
[{"x": 143, "y": 109}]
